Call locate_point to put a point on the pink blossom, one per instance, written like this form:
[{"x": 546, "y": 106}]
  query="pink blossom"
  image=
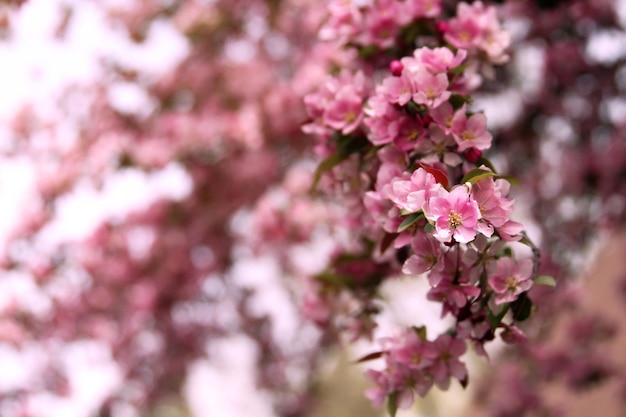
[
  {"x": 407, "y": 132},
  {"x": 422, "y": 8},
  {"x": 452, "y": 295},
  {"x": 455, "y": 215},
  {"x": 380, "y": 115},
  {"x": 477, "y": 27},
  {"x": 412, "y": 194},
  {"x": 463, "y": 32},
  {"x": 343, "y": 24},
  {"x": 471, "y": 132},
  {"x": 398, "y": 89},
  {"x": 494, "y": 207},
  {"x": 510, "y": 231},
  {"x": 338, "y": 104},
  {"x": 438, "y": 147},
  {"x": 413, "y": 352},
  {"x": 508, "y": 279},
  {"x": 430, "y": 89},
  {"x": 439, "y": 60},
  {"x": 447, "y": 364},
  {"x": 445, "y": 116},
  {"x": 345, "y": 112},
  {"x": 426, "y": 255}
]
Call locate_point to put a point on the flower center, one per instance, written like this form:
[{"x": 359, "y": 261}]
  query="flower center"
[
  {"x": 467, "y": 135},
  {"x": 413, "y": 135},
  {"x": 350, "y": 117},
  {"x": 511, "y": 283},
  {"x": 440, "y": 148},
  {"x": 465, "y": 37},
  {"x": 455, "y": 219}
]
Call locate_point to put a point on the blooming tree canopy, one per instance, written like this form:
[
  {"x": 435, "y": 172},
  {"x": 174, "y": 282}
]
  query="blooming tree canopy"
[{"x": 317, "y": 154}]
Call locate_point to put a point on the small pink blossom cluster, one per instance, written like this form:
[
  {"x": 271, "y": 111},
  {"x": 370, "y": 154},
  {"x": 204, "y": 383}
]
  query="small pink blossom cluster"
[
  {"x": 338, "y": 106},
  {"x": 431, "y": 202},
  {"x": 477, "y": 28},
  {"x": 414, "y": 365},
  {"x": 415, "y": 107},
  {"x": 374, "y": 22}
]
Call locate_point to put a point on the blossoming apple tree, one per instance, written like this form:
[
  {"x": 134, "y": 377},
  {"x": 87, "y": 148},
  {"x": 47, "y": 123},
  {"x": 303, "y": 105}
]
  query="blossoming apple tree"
[{"x": 358, "y": 127}]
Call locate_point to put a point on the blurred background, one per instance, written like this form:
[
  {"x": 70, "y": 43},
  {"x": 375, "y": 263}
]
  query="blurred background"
[{"x": 156, "y": 228}]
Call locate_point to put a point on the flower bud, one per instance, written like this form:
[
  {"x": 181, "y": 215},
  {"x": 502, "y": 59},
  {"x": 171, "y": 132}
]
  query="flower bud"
[
  {"x": 396, "y": 68},
  {"x": 472, "y": 155},
  {"x": 442, "y": 27}
]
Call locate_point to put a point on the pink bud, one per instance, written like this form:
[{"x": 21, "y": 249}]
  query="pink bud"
[
  {"x": 396, "y": 68},
  {"x": 472, "y": 155},
  {"x": 427, "y": 120},
  {"x": 442, "y": 27}
]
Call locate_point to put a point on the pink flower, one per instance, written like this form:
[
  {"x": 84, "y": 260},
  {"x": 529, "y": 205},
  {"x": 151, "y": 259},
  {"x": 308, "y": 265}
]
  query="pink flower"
[
  {"x": 422, "y": 8},
  {"x": 455, "y": 215},
  {"x": 463, "y": 32},
  {"x": 426, "y": 255},
  {"x": 338, "y": 104},
  {"x": 412, "y": 194},
  {"x": 445, "y": 116},
  {"x": 510, "y": 231},
  {"x": 430, "y": 89},
  {"x": 447, "y": 364},
  {"x": 345, "y": 112},
  {"x": 494, "y": 207},
  {"x": 380, "y": 116},
  {"x": 453, "y": 296},
  {"x": 413, "y": 352},
  {"x": 437, "y": 146},
  {"x": 509, "y": 279},
  {"x": 477, "y": 27},
  {"x": 440, "y": 60},
  {"x": 398, "y": 89},
  {"x": 407, "y": 132},
  {"x": 471, "y": 132}
]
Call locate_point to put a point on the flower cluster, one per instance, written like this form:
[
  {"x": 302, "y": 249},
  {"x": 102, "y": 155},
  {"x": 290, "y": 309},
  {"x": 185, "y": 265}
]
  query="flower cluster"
[
  {"x": 414, "y": 365},
  {"x": 434, "y": 204},
  {"x": 374, "y": 22}
]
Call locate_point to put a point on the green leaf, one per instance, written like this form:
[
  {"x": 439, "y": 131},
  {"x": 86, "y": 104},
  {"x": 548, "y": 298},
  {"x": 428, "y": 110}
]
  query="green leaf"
[
  {"x": 495, "y": 320},
  {"x": 410, "y": 221},
  {"x": 546, "y": 280},
  {"x": 392, "y": 404},
  {"x": 326, "y": 165},
  {"x": 368, "y": 51},
  {"x": 511, "y": 179},
  {"x": 334, "y": 279},
  {"x": 387, "y": 240},
  {"x": 465, "y": 381},
  {"x": 484, "y": 161},
  {"x": 522, "y": 307},
  {"x": 370, "y": 357},
  {"x": 458, "y": 100},
  {"x": 457, "y": 71},
  {"x": 526, "y": 241},
  {"x": 476, "y": 175},
  {"x": 346, "y": 145},
  {"x": 414, "y": 109},
  {"x": 421, "y": 332}
]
